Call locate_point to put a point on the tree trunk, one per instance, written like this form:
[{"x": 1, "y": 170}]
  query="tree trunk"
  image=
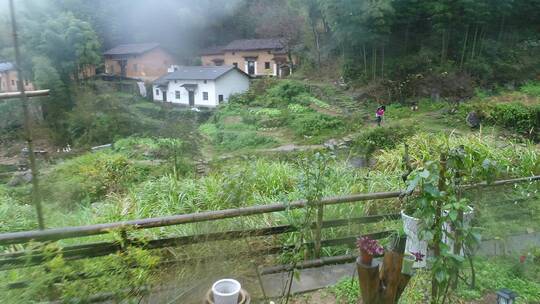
[
  {"x": 463, "y": 51},
  {"x": 443, "y": 46},
  {"x": 405, "y": 44},
  {"x": 501, "y": 29},
  {"x": 481, "y": 42},
  {"x": 365, "y": 60},
  {"x": 317, "y": 43},
  {"x": 382, "y": 62},
  {"x": 474, "y": 41},
  {"x": 374, "y": 65}
]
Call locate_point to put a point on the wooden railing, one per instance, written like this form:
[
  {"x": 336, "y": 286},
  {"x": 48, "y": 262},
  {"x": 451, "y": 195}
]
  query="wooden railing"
[{"x": 34, "y": 257}]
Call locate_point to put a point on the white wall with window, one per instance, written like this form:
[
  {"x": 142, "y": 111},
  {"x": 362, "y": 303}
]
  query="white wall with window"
[{"x": 206, "y": 93}]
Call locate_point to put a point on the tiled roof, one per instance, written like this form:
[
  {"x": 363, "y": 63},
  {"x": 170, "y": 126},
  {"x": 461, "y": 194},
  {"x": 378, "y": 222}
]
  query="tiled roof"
[
  {"x": 254, "y": 44},
  {"x": 213, "y": 50},
  {"x": 6, "y": 66},
  {"x": 196, "y": 73},
  {"x": 129, "y": 49}
]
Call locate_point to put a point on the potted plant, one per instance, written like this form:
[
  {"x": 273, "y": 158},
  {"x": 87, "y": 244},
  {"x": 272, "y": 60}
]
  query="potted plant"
[
  {"x": 368, "y": 247},
  {"x": 468, "y": 216},
  {"x": 412, "y": 228},
  {"x": 408, "y": 262},
  {"x": 397, "y": 241}
]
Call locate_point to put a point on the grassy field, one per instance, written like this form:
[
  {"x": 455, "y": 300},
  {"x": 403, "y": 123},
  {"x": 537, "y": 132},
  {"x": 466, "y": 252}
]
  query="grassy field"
[{"x": 152, "y": 168}]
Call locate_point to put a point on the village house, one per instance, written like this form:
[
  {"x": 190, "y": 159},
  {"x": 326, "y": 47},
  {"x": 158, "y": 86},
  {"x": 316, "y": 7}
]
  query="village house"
[
  {"x": 256, "y": 57},
  {"x": 9, "y": 79},
  {"x": 145, "y": 61},
  {"x": 200, "y": 86}
]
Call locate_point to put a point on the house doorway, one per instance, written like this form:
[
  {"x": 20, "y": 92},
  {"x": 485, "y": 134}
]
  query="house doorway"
[
  {"x": 191, "y": 98},
  {"x": 164, "y": 93},
  {"x": 251, "y": 67},
  {"x": 123, "y": 71}
]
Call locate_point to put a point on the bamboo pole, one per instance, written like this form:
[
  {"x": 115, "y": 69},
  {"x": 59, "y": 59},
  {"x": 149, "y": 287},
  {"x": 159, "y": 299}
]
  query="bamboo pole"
[
  {"x": 76, "y": 252},
  {"x": 36, "y": 200},
  {"x": 318, "y": 230},
  {"x": 82, "y": 231},
  {"x": 13, "y": 95}
]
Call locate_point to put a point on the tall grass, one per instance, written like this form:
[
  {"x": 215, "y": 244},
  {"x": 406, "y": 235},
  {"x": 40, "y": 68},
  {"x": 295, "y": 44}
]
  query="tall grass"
[{"x": 516, "y": 159}]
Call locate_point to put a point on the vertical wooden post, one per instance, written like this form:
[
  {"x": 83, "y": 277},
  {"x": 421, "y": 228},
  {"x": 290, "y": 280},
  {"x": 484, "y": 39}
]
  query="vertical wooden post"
[
  {"x": 36, "y": 199},
  {"x": 318, "y": 230},
  {"x": 437, "y": 237},
  {"x": 382, "y": 283}
]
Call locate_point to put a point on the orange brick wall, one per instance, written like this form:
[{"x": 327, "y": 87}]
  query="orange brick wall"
[
  {"x": 150, "y": 65},
  {"x": 8, "y": 82},
  {"x": 239, "y": 57}
]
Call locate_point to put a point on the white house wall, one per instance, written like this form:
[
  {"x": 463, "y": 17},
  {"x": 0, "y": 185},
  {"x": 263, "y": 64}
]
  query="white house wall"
[
  {"x": 176, "y": 85},
  {"x": 233, "y": 82}
]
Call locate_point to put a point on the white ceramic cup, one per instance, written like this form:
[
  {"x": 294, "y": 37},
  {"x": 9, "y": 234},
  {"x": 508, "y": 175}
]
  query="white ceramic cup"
[{"x": 226, "y": 291}]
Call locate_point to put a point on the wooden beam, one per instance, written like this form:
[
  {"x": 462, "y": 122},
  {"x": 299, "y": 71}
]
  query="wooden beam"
[
  {"x": 14, "y": 95},
  {"x": 76, "y": 252},
  {"x": 82, "y": 231}
]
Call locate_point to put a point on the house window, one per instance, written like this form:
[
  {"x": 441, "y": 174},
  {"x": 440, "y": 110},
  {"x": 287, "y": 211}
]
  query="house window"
[
  {"x": 12, "y": 82},
  {"x": 177, "y": 94},
  {"x": 233, "y": 53},
  {"x": 157, "y": 92},
  {"x": 205, "y": 81},
  {"x": 267, "y": 65},
  {"x": 269, "y": 52},
  {"x": 26, "y": 82},
  {"x": 235, "y": 64},
  {"x": 220, "y": 98},
  {"x": 135, "y": 67},
  {"x": 205, "y": 95}
]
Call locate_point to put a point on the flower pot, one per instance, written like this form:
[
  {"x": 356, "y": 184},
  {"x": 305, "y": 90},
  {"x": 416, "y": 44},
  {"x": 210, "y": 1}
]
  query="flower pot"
[
  {"x": 407, "y": 265},
  {"x": 467, "y": 218},
  {"x": 226, "y": 291},
  {"x": 411, "y": 226},
  {"x": 366, "y": 258},
  {"x": 398, "y": 243}
]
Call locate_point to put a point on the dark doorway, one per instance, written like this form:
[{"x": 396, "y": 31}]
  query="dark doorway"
[
  {"x": 123, "y": 64},
  {"x": 164, "y": 93},
  {"x": 220, "y": 98},
  {"x": 191, "y": 98},
  {"x": 251, "y": 67}
]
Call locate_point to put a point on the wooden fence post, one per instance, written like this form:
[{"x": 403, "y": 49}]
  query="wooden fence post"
[
  {"x": 318, "y": 230},
  {"x": 437, "y": 237},
  {"x": 36, "y": 199}
]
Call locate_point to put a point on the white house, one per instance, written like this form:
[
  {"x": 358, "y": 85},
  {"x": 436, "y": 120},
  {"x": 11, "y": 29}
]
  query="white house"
[{"x": 200, "y": 86}]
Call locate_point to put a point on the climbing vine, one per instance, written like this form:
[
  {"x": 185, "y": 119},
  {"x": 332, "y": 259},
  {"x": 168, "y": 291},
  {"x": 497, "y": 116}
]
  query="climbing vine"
[{"x": 439, "y": 205}]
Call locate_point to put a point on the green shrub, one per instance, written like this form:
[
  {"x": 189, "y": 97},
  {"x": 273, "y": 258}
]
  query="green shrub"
[
  {"x": 297, "y": 108},
  {"x": 518, "y": 116},
  {"x": 90, "y": 177},
  {"x": 209, "y": 129},
  {"x": 531, "y": 88},
  {"x": 15, "y": 215},
  {"x": 346, "y": 291},
  {"x": 231, "y": 141},
  {"x": 268, "y": 117},
  {"x": 100, "y": 119},
  {"x": 382, "y": 138},
  {"x": 314, "y": 124}
]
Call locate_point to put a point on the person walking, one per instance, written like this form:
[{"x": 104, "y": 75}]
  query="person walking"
[{"x": 379, "y": 114}]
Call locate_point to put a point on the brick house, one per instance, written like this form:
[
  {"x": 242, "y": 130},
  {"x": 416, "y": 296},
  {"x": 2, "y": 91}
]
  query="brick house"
[
  {"x": 256, "y": 57},
  {"x": 146, "y": 61},
  {"x": 8, "y": 79}
]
